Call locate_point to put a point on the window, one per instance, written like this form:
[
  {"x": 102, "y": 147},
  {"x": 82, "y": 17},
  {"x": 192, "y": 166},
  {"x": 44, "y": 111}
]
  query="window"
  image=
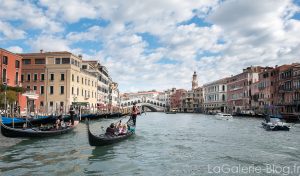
[
  {"x": 28, "y": 77},
  {"x": 42, "y": 76},
  {"x": 57, "y": 60},
  {"x": 82, "y": 80},
  {"x": 65, "y": 60},
  {"x": 72, "y": 90},
  {"x": 42, "y": 90},
  {"x": 51, "y": 90},
  {"x": 4, "y": 75},
  {"x": 39, "y": 61},
  {"x": 52, "y": 77},
  {"x": 22, "y": 78},
  {"x": 34, "y": 88},
  {"x": 5, "y": 60},
  {"x": 82, "y": 92},
  {"x": 41, "y": 103},
  {"x": 62, "y": 89},
  {"x": 61, "y": 104},
  {"x": 77, "y": 91},
  {"x": 51, "y": 103},
  {"x": 62, "y": 77},
  {"x": 26, "y": 61},
  {"x": 85, "y": 81},
  {"x": 84, "y": 67},
  {"x": 35, "y": 77},
  {"x": 78, "y": 79},
  {"x": 17, "y": 64},
  {"x": 72, "y": 77},
  {"x": 17, "y": 78},
  {"x": 28, "y": 87}
]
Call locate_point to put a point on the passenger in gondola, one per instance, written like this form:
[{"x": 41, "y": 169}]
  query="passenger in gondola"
[
  {"x": 57, "y": 123},
  {"x": 119, "y": 125},
  {"x": 62, "y": 124},
  {"x": 123, "y": 129},
  {"x": 110, "y": 130}
]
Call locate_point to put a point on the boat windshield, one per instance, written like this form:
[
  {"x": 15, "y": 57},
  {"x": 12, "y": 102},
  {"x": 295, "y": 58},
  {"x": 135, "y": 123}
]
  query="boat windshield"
[{"x": 275, "y": 120}]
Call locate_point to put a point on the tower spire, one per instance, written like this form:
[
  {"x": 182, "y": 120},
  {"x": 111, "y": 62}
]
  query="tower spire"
[{"x": 195, "y": 81}]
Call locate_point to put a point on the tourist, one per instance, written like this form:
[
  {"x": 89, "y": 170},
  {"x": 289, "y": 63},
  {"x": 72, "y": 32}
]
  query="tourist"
[
  {"x": 134, "y": 113},
  {"x": 110, "y": 130},
  {"x": 62, "y": 124},
  {"x": 57, "y": 123},
  {"x": 123, "y": 129}
]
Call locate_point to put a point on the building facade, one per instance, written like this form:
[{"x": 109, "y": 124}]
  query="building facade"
[
  {"x": 10, "y": 74},
  {"x": 288, "y": 89},
  {"x": 215, "y": 96},
  {"x": 239, "y": 92},
  {"x": 60, "y": 81},
  {"x": 176, "y": 99}
]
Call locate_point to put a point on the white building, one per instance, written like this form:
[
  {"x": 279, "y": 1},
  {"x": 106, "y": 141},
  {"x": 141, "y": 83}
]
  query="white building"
[{"x": 215, "y": 96}]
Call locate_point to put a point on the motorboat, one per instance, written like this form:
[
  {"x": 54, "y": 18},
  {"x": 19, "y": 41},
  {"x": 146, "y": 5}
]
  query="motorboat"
[
  {"x": 275, "y": 124},
  {"x": 224, "y": 116}
]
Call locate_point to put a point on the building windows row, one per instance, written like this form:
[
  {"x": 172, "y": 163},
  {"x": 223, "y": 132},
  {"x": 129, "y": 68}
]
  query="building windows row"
[
  {"x": 62, "y": 76},
  {"x": 62, "y": 60},
  {"x": 35, "y": 77},
  {"x": 37, "y": 61}
]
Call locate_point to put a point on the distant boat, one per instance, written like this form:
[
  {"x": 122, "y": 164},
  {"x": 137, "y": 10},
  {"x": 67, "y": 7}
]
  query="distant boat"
[
  {"x": 275, "y": 124},
  {"x": 36, "y": 132},
  {"x": 224, "y": 116},
  {"x": 171, "y": 112}
]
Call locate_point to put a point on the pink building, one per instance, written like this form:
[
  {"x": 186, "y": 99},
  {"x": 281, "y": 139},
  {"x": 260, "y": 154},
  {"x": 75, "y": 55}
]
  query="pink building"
[
  {"x": 289, "y": 89},
  {"x": 176, "y": 98},
  {"x": 33, "y": 78},
  {"x": 239, "y": 90}
]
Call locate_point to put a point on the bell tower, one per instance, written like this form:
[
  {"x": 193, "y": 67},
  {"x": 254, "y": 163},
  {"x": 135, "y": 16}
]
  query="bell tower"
[{"x": 195, "y": 81}]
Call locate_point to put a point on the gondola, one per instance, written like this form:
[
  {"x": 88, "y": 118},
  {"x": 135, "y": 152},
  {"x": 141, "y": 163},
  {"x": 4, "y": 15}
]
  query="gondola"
[
  {"x": 31, "y": 121},
  {"x": 35, "y": 132},
  {"x": 103, "y": 139}
]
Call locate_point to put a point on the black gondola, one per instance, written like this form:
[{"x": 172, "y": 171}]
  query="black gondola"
[
  {"x": 30, "y": 121},
  {"x": 34, "y": 132},
  {"x": 103, "y": 139}
]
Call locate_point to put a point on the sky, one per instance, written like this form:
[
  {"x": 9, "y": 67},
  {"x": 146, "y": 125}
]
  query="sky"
[{"x": 155, "y": 44}]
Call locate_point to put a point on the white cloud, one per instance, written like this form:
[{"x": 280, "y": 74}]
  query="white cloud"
[
  {"x": 15, "y": 49},
  {"x": 11, "y": 33},
  {"x": 49, "y": 43},
  {"x": 242, "y": 33}
]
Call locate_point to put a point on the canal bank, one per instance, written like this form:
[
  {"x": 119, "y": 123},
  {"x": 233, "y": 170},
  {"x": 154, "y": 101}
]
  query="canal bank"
[{"x": 164, "y": 144}]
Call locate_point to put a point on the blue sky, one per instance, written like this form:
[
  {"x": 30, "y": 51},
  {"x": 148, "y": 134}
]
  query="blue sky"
[{"x": 158, "y": 45}]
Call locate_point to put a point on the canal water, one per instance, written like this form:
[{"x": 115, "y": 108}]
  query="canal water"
[{"x": 164, "y": 144}]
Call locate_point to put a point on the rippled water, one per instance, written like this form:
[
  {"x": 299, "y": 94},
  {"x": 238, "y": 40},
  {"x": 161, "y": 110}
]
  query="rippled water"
[{"x": 164, "y": 144}]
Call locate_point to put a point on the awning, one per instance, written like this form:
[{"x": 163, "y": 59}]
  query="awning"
[{"x": 80, "y": 103}]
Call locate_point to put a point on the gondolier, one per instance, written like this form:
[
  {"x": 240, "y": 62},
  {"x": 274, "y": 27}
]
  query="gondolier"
[
  {"x": 72, "y": 112},
  {"x": 134, "y": 113}
]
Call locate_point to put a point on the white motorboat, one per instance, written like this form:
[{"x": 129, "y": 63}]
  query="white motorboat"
[{"x": 224, "y": 116}]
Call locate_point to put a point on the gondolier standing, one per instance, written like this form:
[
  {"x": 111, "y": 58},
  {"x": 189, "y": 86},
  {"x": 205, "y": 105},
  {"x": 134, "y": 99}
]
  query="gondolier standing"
[
  {"x": 72, "y": 112},
  {"x": 134, "y": 113}
]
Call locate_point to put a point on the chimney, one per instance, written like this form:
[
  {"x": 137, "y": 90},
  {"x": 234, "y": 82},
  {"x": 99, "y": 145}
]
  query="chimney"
[{"x": 41, "y": 51}]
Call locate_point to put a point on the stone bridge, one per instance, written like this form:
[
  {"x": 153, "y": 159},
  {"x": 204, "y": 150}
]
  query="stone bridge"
[{"x": 152, "y": 104}]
